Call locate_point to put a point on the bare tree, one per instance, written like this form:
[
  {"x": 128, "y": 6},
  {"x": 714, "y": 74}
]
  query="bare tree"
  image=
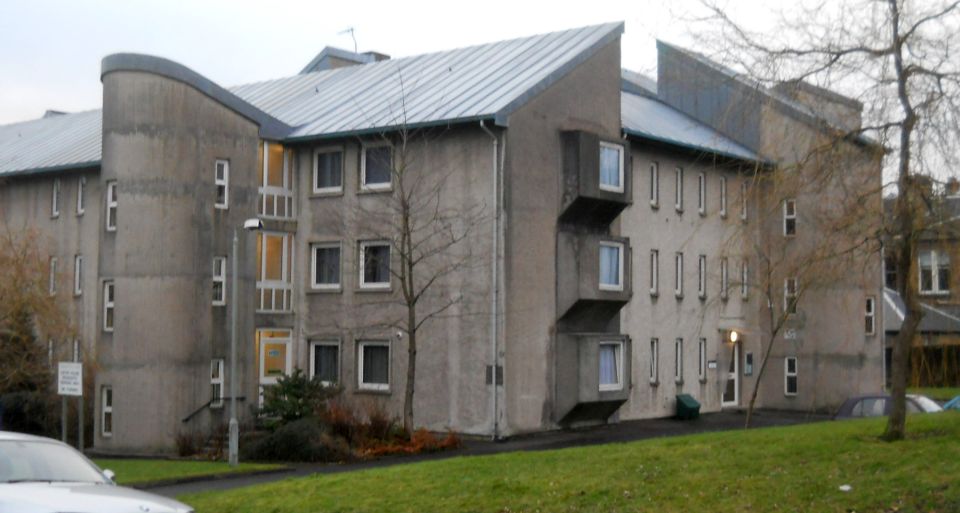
[{"x": 899, "y": 56}]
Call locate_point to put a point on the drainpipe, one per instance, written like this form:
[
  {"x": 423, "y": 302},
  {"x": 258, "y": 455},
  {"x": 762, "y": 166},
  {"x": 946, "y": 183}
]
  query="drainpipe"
[{"x": 495, "y": 283}]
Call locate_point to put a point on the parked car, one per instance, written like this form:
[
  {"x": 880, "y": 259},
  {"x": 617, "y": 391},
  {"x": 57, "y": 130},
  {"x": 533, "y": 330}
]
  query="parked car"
[
  {"x": 952, "y": 404},
  {"x": 879, "y": 405},
  {"x": 41, "y": 475}
]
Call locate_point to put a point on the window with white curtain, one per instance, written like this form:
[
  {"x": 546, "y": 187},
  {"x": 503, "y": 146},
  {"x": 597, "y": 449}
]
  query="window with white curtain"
[
  {"x": 611, "y": 167},
  {"x": 611, "y": 366},
  {"x": 611, "y": 266}
]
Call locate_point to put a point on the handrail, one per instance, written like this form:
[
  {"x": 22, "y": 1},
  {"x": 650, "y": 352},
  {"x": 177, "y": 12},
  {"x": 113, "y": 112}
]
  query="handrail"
[{"x": 207, "y": 405}]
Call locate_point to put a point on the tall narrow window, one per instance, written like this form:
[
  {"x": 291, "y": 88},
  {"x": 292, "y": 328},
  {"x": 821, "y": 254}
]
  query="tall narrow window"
[
  {"x": 373, "y": 361},
  {"x": 702, "y": 193},
  {"x": 108, "y": 305},
  {"x": 219, "y": 281},
  {"x": 111, "y": 199},
  {"x": 325, "y": 271},
  {"x": 221, "y": 179},
  {"x": 611, "y": 266},
  {"x": 275, "y": 278},
  {"x": 702, "y": 276},
  {"x": 890, "y": 272},
  {"x": 934, "y": 272},
  {"x": 790, "y": 296},
  {"x": 52, "y": 279},
  {"x": 50, "y": 352},
  {"x": 744, "y": 276},
  {"x": 275, "y": 192},
  {"x": 654, "y": 272},
  {"x": 611, "y": 167},
  {"x": 375, "y": 265},
  {"x": 76, "y": 350},
  {"x": 790, "y": 375},
  {"x": 789, "y": 217},
  {"x": 678, "y": 189},
  {"x": 654, "y": 363},
  {"x": 328, "y": 171},
  {"x": 216, "y": 383},
  {"x": 723, "y": 197},
  {"x": 77, "y": 275},
  {"x": 55, "y": 199},
  {"x": 376, "y": 167},
  {"x": 81, "y": 199},
  {"x": 678, "y": 360},
  {"x": 744, "y": 190},
  {"x": 106, "y": 411},
  {"x": 678, "y": 275},
  {"x": 702, "y": 360},
  {"x": 870, "y": 316},
  {"x": 654, "y": 184},
  {"x": 611, "y": 366},
  {"x": 325, "y": 361},
  {"x": 724, "y": 280}
]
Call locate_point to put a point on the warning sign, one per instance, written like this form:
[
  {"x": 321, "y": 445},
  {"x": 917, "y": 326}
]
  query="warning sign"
[{"x": 70, "y": 378}]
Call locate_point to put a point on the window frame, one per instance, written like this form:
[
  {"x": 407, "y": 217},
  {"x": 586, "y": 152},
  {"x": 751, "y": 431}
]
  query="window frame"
[
  {"x": 363, "y": 260},
  {"x": 81, "y": 201},
  {"x": 702, "y": 276},
  {"x": 789, "y": 218},
  {"x": 791, "y": 287},
  {"x": 379, "y": 186},
  {"x": 78, "y": 274},
  {"x": 870, "y": 316},
  {"x": 314, "y": 344},
  {"x": 619, "y": 246},
  {"x": 654, "y": 184},
  {"x": 702, "y": 193},
  {"x": 723, "y": 197},
  {"x": 106, "y": 408},
  {"x": 373, "y": 387},
  {"x": 654, "y": 272},
  {"x": 621, "y": 154},
  {"x": 220, "y": 278},
  {"x": 52, "y": 276},
  {"x": 109, "y": 305},
  {"x": 654, "y": 361},
  {"x": 221, "y": 182},
  {"x": 314, "y": 247},
  {"x": 678, "y": 190},
  {"x": 724, "y": 279},
  {"x": 678, "y": 360},
  {"x": 936, "y": 265},
  {"x": 332, "y": 190},
  {"x": 110, "y": 219},
  {"x": 618, "y": 361},
  {"x": 217, "y": 401},
  {"x": 744, "y": 193},
  {"x": 787, "y": 375},
  {"x": 678, "y": 274},
  {"x": 744, "y": 279},
  {"x": 702, "y": 360},
  {"x": 55, "y": 199}
]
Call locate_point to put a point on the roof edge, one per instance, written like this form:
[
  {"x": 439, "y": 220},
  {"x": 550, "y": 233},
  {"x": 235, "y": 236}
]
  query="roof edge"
[
  {"x": 92, "y": 164},
  {"x": 697, "y": 148},
  {"x": 388, "y": 129},
  {"x": 270, "y": 127}
]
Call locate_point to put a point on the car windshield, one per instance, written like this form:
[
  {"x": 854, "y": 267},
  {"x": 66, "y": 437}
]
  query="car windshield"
[
  {"x": 32, "y": 461},
  {"x": 928, "y": 405}
]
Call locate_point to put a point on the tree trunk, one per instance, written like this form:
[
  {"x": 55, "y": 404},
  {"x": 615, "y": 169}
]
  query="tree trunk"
[{"x": 411, "y": 373}]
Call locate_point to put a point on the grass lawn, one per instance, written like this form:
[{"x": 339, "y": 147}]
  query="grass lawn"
[
  {"x": 937, "y": 394},
  {"x": 798, "y": 468},
  {"x": 131, "y": 471}
]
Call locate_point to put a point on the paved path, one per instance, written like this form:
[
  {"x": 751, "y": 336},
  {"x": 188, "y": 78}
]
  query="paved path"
[{"x": 614, "y": 433}]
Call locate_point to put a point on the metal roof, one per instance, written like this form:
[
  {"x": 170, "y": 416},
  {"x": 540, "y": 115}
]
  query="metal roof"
[
  {"x": 936, "y": 319},
  {"x": 48, "y": 144},
  {"x": 648, "y": 118},
  {"x": 478, "y": 82}
]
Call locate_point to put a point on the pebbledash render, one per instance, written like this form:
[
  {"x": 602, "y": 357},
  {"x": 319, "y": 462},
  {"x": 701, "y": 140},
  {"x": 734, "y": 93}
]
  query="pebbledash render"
[{"x": 594, "y": 290}]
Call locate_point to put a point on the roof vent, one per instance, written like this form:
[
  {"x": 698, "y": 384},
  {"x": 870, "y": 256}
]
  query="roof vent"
[{"x": 332, "y": 58}]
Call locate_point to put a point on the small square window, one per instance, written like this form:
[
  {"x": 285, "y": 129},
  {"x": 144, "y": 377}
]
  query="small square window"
[
  {"x": 611, "y": 266},
  {"x": 376, "y": 167},
  {"x": 611, "y": 366},
  {"x": 328, "y": 171},
  {"x": 611, "y": 167},
  {"x": 325, "y": 271},
  {"x": 374, "y": 365},
  {"x": 375, "y": 265}
]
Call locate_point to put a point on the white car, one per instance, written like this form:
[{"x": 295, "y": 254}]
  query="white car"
[{"x": 41, "y": 475}]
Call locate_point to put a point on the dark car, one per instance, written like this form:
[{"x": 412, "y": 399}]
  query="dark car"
[{"x": 879, "y": 406}]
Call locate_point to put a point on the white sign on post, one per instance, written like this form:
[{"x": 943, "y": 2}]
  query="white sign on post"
[{"x": 70, "y": 378}]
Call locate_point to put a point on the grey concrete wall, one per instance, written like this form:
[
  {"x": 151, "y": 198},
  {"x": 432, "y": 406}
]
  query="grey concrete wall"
[{"x": 160, "y": 141}]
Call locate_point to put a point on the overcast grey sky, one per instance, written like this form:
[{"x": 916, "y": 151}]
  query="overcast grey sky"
[{"x": 50, "y": 50}]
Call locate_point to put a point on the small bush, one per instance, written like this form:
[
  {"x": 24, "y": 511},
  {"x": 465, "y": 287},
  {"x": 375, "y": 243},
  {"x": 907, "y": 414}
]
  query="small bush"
[
  {"x": 188, "y": 443},
  {"x": 295, "y": 397},
  {"x": 301, "y": 440},
  {"x": 32, "y": 412},
  {"x": 341, "y": 421}
]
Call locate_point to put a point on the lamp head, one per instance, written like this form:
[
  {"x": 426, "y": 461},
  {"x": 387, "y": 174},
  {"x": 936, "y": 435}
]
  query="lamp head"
[{"x": 253, "y": 224}]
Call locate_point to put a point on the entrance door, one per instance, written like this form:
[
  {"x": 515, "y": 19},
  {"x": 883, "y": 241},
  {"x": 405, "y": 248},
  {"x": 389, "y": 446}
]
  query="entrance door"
[
  {"x": 275, "y": 357},
  {"x": 731, "y": 389}
]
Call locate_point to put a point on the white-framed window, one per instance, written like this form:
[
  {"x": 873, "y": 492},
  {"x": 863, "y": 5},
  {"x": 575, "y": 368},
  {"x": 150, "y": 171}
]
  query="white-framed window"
[
  {"x": 702, "y": 276},
  {"x": 934, "y": 271},
  {"x": 77, "y": 275},
  {"x": 702, "y": 360},
  {"x": 110, "y": 219},
  {"x": 611, "y": 266},
  {"x": 723, "y": 197},
  {"x": 275, "y": 277},
  {"x": 678, "y": 189},
  {"x": 724, "y": 278},
  {"x": 790, "y": 376},
  {"x": 678, "y": 360},
  {"x": 702, "y": 193},
  {"x": 325, "y": 264},
  {"x": 654, "y": 184},
  {"x": 81, "y": 193},
  {"x": 216, "y": 383},
  {"x": 373, "y": 365},
  {"x": 219, "y": 281},
  {"x": 870, "y": 316},
  {"x": 790, "y": 296},
  {"x": 654, "y": 272},
  {"x": 275, "y": 192},
  {"x": 106, "y": 411},
  {"x": 654, "y": 361},
  {"x": 744, "y": 191},
  {"x": 678, "y": 274},
  {"x": 789, "y": 217},
  {"x": 52, "y": 278},
  {"x": 221, "y": 178},
  {"x": 611, "y": 167},
  {"x": 55, "y": 199},
  {"x": 376, "y": 167},
  {"x": 611, "y": 366},
  {"x": 375, "y": 264},
  {"x": 744, "y": 279},
  {"x": 328, "y": 170},
  {"x": 325, "y": 361},
  {"x": 108, "y": 305}
]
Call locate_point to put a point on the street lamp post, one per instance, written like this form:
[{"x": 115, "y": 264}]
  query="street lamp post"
[{"x": 234, "y": 446}]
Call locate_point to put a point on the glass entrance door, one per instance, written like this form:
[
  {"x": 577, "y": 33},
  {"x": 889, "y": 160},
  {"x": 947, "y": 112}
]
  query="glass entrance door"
[
  {"x": 275, "y": 357},
  {"x": 731, "y": 387}
]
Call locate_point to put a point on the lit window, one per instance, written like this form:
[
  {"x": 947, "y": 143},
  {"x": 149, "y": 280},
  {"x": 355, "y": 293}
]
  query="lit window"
[
  {"x": 106, "y": 411},
  {"x": 934, "y": 272},
  {"x": 216, "y": 383},
  {"x": 611, "y": 266},
  {"x": 789, "y": 217},
  {"x": 678, "y": 189},
  {"x": 702, "y": 276},
  {"x": 221, "y": 179},
  {"x": 790, "y": 296},
  {"x": 325, "y": 271},
  {"x": 55, "y": 199},
  {"x": 723, "y": 197},
  {"x": 108, "y": 305},
  {"x": 724, "y": 280},
  {"x": 870, "y": 316},
  {"x": 219, "y": 281},
  {"x": 325, "y": 361},
  {"x": 52, "y": 279},
  {"x": 81, "y": 200},
  {"x": 702, "y": 194},
  {"x": 111, "y": 199},
  {"x": 375, "y": 265},
  {"x": 790, "y": 375},
  {"x": 77, "y": 275},
  {"x": 611, "y": 167},
  {"x": 275, "y": 278},
  {"x": 678, "y": 275},
  {"x": 654, "y": 184},
  {"x": 654, "y": 364},
  {"x": 611, "y": 366},
  {"x": 702, "y": 360},
  {"x": 678, "y": 360},
  {"x": 376, "y": 167},
  {"x": 328, "y": 171},
  {"x": 654, "y": 272},
  {"x": 275, "y": 193},
  {"x": 374, "y": 365}
]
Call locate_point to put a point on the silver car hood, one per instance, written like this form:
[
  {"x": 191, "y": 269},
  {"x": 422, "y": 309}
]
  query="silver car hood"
[{"x": 82, "y": 498}]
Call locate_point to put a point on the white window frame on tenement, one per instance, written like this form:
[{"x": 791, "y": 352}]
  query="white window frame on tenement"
[
  {"x": 52, "y": 278},
  {"x": 81, "y": 186},
  {"x": 744, "y": 192},
  {"x": 222, "y": 181},
  {"x": 314, "y": 344},
  {"x": 787, "y": 375},
  {"x": 654, "y": 184},
  {"x": 77, "y": 274},
  {"x": 110, "y": 219},
  {"x": 109, "y": 305},
  {"x": 724, "y": 278},
  {"x": 379, "y": 186},
  {"x": 379, "y": 387},
  {"x": 678, "y": 274},
  {"x": 55, "y": 199},
  {"x": 316, "y": 170},
  {"x": 939, "y": 260},
  {"x": 678, "y": 360},
  {"x": 618, "y": 246},
  {"x": 216, "y": 378},
  {"x": 678, "y": 190},
  {"x": 744, "y": 279},
  {"x": 789, "y": 217},
  {"x": 791, "y": 288},
  {"x": 314, "y": 247},
  {"x": 702, "y": 360},
  {"x": 620, "y": 151},
  {"x": 654, "y": 272},
  {"x": 702, "y": 276},
  {"x": 702, "y": 193},
  {"x": 723, "y": 197},
  {"x": 618, "y": 362},
  {"x": 220, "y": 276},
  {"x": 654, "y": 361},
  {"x": 870, "y": 315},
  {"x": 362, "y": 258},
  {"x": 106, "y": 408}
]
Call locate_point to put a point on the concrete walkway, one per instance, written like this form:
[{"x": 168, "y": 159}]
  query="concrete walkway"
[{"x": 614, "y": 433}]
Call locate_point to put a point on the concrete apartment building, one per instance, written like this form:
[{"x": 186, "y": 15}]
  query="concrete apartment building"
[{"x": 602, "y": 279}]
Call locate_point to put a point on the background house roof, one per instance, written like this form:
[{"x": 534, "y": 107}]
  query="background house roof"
[
  {"x": 936, "y": 319},
  {"x": 51, "y": 143}
]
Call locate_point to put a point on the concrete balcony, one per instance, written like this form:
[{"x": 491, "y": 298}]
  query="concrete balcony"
[
  {"x": 593, "y": 376},
  {"x": 596, "y": 179},
  {"x": 591, "y": 288}
]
